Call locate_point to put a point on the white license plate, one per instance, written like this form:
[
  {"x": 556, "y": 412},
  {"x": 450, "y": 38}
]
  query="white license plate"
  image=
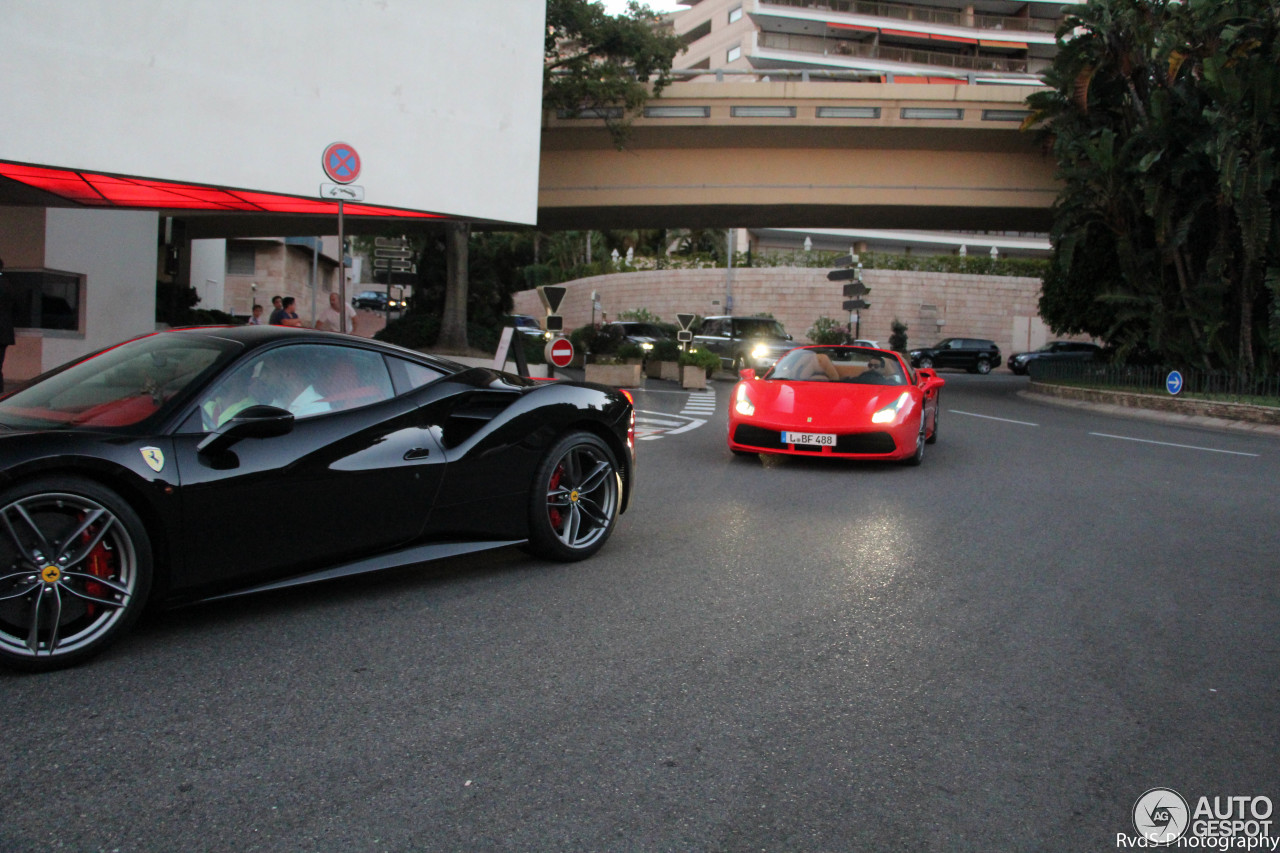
[{"x": 822, "y": 439}]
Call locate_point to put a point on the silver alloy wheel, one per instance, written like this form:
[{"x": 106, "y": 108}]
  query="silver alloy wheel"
[
  {"x": 69, "y": 574},
  {"x": 918, "y": 457},
  {"x": 926, "y": 362},
  {"x": 582, "y": 496},
  {"x": 984, "y": 366}
]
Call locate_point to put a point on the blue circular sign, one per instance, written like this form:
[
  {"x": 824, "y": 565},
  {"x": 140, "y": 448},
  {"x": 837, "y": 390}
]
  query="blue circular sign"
[
  {"x": 341, "y": 163},
  {"x": 1173, "y": 382}
]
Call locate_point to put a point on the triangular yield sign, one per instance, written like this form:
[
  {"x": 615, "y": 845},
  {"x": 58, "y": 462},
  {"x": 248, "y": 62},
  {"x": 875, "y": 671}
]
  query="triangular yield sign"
[{"x": 552, "y": 295}]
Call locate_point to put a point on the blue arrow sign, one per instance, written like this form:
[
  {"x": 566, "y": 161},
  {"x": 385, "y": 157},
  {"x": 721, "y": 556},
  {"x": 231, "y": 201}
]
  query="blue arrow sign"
[{"x": 1173, "y": 382}]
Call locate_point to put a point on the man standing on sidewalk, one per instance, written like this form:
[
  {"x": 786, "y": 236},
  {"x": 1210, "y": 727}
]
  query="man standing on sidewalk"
[{"x": 331, "y": 320}]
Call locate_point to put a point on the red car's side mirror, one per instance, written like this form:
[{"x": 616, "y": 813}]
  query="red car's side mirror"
[{"x": 747, "y": 373}]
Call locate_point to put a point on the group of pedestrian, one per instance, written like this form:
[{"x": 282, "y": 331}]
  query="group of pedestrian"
[{"x": 283, "y": 314}]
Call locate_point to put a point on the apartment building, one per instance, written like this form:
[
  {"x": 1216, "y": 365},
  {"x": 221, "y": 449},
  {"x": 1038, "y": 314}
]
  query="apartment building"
[{"x": 1002, "y": 42}]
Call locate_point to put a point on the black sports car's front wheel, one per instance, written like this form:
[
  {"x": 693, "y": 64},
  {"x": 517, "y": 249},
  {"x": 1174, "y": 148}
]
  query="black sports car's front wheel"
[
  {"x": 75, "y": 570},
  {"x": 575, "y": 499}
]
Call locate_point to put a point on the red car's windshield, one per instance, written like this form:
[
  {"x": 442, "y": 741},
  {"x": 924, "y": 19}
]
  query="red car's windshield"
[
  {"x": 118, "y": 387},
  {"x": 840, "y": 364}
]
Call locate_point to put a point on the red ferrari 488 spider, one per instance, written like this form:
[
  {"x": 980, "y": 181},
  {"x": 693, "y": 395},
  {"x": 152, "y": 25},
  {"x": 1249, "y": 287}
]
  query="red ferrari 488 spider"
[{"x": 843, "y": 401}]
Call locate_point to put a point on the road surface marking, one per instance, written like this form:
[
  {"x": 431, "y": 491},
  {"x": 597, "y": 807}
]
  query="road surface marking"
[
  {"x": 1171, "y": 444},
  {"x": 990, "y": 418}
]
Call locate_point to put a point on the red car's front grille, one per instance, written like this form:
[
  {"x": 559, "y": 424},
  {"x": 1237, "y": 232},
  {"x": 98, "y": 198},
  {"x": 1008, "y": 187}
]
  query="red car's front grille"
[{"x": 857, "y": 442}]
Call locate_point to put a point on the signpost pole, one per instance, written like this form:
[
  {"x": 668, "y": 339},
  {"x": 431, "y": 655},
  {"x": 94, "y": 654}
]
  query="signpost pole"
[{"x": 342, "y": 275}]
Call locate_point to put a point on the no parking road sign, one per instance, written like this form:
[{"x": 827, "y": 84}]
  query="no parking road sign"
[
  {"x": 560, "y": 352},
  {"x": 341, "y": 163}
]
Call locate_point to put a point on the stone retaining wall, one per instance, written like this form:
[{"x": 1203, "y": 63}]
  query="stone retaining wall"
[{"x": 933, "y": 305}]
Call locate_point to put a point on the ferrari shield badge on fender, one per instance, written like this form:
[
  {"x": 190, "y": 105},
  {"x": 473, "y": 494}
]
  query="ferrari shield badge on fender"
[{"x": 154, "y": 457}]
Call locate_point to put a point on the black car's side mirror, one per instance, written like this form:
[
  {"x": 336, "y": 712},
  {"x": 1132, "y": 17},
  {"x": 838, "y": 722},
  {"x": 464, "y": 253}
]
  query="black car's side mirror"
[{"x": 253, "y": 422}]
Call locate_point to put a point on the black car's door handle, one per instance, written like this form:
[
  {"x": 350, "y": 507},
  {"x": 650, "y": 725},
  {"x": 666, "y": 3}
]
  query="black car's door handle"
[{"x": 417, "y": 453}]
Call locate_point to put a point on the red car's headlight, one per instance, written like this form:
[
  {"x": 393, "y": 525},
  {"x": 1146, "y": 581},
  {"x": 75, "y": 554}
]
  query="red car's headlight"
[
  {"x": 889, "y": 413},
  {"x": 742, "y": 401}
]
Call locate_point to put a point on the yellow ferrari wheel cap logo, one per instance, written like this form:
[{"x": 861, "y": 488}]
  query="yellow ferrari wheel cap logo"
[
  {"x": 573, "y": 496},
  {"x": 154, "y": 457},
  {"x": 50, "y": 574}
]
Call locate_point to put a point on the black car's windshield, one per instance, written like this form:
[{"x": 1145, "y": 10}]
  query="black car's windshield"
[
  {"x": 117, "y": 387},
  {"x": 759, "y": 328},
  {"x": 856, "y": 365}
]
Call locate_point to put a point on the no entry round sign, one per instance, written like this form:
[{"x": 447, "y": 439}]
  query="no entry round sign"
[
  {"x": 341, "y": 163},
  {"x": 560, "y": 352}
]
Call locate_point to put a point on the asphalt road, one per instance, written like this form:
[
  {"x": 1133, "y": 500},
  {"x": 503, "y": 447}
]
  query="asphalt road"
[{"x": 999, "y": 650}]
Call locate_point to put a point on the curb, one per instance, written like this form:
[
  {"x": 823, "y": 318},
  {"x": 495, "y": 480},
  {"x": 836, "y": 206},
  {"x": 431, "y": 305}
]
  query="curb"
[{"x": 1133, "y": 407}]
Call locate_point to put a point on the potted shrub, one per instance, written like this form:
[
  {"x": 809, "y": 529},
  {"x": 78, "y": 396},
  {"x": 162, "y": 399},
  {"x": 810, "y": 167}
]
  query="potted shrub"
[
  {"x": 664, "y": 360},
  {"x": 696, "y": 367}
]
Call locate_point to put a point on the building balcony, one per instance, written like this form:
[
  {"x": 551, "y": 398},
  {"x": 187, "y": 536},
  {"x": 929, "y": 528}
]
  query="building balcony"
[
  {"x": 810, "y": 47},
  {"x": 931, "y": 15}
]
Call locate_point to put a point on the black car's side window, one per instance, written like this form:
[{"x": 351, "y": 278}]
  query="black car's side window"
[
  {"x": 409, "y": 375},
  {"x": 305, "y": 379}
]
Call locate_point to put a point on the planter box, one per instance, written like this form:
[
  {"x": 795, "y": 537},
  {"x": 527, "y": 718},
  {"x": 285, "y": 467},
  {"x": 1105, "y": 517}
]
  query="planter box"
[
  {"x": 669, "y": 370},
  {"x": 693, "y": 377},
  {"x": 617, "y": 375}
]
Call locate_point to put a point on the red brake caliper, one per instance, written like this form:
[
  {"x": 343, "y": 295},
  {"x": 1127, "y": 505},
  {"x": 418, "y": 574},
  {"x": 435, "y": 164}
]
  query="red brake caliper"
[
  {"x": 98, "y": 564},
  {"x": 552, "y": 512}
]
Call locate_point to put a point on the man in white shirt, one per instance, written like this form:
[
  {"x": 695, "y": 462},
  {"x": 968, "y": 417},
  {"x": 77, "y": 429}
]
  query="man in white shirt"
[{"x": 330, "y": 319}]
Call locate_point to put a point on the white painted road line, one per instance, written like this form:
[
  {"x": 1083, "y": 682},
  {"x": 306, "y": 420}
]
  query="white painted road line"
[
  {"x": 990, "y": 418},
  {"x": 694, "y": 424},
  {"x": 1170, "y": 444}
]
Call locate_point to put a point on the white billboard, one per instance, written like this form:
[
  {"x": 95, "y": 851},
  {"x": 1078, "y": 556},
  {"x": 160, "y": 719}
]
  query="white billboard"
[{"x": 441, "y": 98}]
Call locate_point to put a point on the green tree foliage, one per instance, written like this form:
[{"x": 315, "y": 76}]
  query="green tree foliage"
[
  {"x": 1165, "y": 120},
  {"x": 496, "y": 260},
  {"x": 594, "y": 61}
]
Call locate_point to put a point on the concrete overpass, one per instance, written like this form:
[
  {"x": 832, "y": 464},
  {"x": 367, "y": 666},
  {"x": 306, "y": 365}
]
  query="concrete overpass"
[
  {"x": 753, "y": 155},
  {"x": 803, "y": 154}
]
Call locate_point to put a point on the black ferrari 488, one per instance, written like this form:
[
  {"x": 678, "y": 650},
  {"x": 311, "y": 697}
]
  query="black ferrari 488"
[{"x": 162, "y": 470}]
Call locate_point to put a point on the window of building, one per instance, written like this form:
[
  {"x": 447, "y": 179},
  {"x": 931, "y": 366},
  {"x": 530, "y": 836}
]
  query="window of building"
[
  {"x": 44, "y": 299},
  {"x": 735, "y": 14},
  {"x": 734, "y": 53},
  {"x": 241, "y": 259}
]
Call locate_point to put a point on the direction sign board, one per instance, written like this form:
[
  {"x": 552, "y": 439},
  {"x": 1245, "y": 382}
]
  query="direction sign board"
[
  {"x": 846, "y": 274},
  {"x": 341, "y": 163},
  {"x": 855, "y": 304},
  {"x": 846, "y": 260},
  {"x": 857, "y": 288},
  {"x": 560, "y": 352},
  {"x": 1173, "y": 382}
]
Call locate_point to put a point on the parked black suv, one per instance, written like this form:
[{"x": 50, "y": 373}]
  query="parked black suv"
[
  {"x": 972, "y": 354},
  {"x": 1055, "y": 351},
  {"x": 740, "y": 342}
]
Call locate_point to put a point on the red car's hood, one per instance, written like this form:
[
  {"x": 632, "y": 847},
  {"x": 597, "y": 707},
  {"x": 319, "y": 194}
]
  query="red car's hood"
[{"x": 822, "y": 405}]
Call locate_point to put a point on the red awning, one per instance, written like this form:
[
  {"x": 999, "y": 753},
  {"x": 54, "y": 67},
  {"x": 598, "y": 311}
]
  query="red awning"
[{"x": 97, "y": 190}]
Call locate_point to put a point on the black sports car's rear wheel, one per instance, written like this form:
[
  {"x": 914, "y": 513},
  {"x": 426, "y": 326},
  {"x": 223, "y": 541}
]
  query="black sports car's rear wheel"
[
  {"x": 75, "y": 570},
  {"x": 575, "y": 498}
]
